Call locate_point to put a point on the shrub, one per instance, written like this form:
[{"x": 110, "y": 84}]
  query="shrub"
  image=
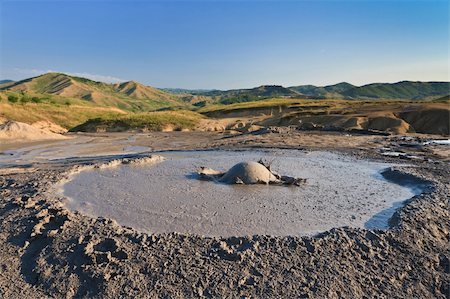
[
  {"x": 25, "y": 99},
  {"x": 13, "y": 98},
  {"x": 36, "y": 100}
]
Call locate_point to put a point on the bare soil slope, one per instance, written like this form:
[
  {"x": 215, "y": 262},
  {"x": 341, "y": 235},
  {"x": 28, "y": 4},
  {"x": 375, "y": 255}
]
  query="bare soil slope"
[
  {"x": 390, "y": 117},
  {"x": 17, "y": 131}
]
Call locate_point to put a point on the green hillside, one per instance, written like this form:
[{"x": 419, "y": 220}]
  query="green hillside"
[
  {"x": 401, "y": 90},
  {"x": 330, "y": 91},
  {"x": 252, "y": 94},
  {"x": 70, "y": 101},
  {"x": 131, "y": 96},
  {"x": 405, "y": 90}
]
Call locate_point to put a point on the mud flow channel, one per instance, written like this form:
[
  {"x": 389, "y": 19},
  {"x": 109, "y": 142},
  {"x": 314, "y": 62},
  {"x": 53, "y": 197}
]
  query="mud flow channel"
[{"x": 168, "y": 197}]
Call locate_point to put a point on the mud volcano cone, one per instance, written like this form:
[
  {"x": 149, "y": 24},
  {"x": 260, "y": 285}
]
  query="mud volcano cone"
[{"x": 248, "y": 173}]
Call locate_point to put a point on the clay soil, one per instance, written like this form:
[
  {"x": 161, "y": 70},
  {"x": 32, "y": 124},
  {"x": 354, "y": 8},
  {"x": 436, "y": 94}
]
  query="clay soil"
[{"x": 48, "y": 251}]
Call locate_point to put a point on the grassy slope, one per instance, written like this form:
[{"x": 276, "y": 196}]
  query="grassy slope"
[
  {"x": 64, "y": 116},
  {"x": 406, "y": 90},
  {"x": 272, "y": 103},
  {"x": 330, "y": 91},
  {"x": 64, "y": 111},
  {"x": 276, "y": 102},
  {"x": 285, "y": 111},
  {"x": 247, "y": 95},
  {"x": 400, "y": 90},
  {"x": 72, "y": 112},
  {"x": 70, "y": 101},
  {"x": 150, "y": 121},
  {"x": 134, "y": 97},
  {"x": 121, "y": 105}
]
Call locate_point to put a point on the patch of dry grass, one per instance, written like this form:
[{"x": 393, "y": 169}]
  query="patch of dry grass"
[
  {"x": 305, "y": 104},
  {"x": 66, "y": 116},
  {"x": 148, "y": 121}
]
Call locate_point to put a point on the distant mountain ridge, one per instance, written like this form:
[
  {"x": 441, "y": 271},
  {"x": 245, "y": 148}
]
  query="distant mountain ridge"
[
  {"x": 251, "y": 94},
  {"x": 323, "y": 91},
  {"x": 6, "y": 81},
  {"x": 134, "y": 96},
  {"x": 186, "y": 91},
  {"x": 406, "y": 90},
  {"x": 400, "y": 90}
]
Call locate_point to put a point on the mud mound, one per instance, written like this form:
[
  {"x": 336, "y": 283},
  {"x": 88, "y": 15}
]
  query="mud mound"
[
  {"x": 428, "y": 121},
  {"x": 17, "y": 131},
  {"x": 389, "y": 124},
  {"x": 358, "y": 123},
  {"x": 49, "y": 126},
  {"x": 387, "y": 117},
  {"x": 376, "y": 122},
  {"x": 249, "y": 173}
]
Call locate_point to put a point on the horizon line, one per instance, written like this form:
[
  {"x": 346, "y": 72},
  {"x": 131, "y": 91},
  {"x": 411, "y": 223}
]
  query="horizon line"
[{"x": 118, "y": 80}]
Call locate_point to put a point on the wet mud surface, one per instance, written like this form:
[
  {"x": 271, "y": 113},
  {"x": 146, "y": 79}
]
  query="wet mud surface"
[
  {"x": 168, "y": 196},
  {"x": 48, "y": 251}
]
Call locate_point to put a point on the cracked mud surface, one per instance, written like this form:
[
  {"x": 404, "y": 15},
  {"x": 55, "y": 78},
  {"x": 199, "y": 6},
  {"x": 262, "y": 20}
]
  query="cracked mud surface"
[{"x": 48, "y": 251}]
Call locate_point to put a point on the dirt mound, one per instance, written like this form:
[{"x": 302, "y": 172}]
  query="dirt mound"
[
  {"x": 214, "y": 125},
  {"x": 49, "y": 126},
  {"x": 17, "y": 131},
  {"x": 376, "y": 122},
  {"x": 249, "y": 173},
  {"x": 389, "y": 124},
  {"x": 428, "y": 121},
  {"x": 358, "y": 123},
  {"x": 387, "y": 117}
]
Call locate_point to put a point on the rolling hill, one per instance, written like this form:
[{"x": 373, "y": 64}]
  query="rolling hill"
[
  {"x": 129, "y": 95},
  {"x": 139, "y": 91},
  {"x": 70, "y": 101},
  {"x": 134, "y": 96},
  {"x": 5, "y": 81},
  {"x": 400, "y": 90},
  {"x": 404, "y": 90},
  {"x": 252, "y": 94},
  {"x": 330, "y": 91}
]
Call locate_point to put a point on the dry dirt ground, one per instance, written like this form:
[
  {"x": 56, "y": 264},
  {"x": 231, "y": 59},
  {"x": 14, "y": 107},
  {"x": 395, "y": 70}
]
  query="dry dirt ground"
[{"x": 49, "y": 252}]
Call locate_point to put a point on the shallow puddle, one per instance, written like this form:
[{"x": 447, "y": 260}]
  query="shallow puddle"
[{"x": 167, "y": 196}]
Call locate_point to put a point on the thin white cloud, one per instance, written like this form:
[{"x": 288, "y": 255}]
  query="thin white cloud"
[
  {"x": 95, "y": 77},
  {"x": 101, "y": 78}
]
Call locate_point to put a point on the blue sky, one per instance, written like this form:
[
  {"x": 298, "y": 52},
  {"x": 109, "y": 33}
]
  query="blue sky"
[{"x": 227, "y": 44}]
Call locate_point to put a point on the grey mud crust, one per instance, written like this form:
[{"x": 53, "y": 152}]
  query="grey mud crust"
[{"x": 48, "y": 251}]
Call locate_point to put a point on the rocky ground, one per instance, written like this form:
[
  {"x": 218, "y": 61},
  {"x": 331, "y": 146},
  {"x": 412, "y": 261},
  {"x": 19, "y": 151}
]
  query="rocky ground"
[{"x": 48, "y": 251}]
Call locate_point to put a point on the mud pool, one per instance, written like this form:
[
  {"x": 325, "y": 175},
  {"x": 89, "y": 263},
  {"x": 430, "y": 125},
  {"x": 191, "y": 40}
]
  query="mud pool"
[{"x": 168, "y": 197}]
